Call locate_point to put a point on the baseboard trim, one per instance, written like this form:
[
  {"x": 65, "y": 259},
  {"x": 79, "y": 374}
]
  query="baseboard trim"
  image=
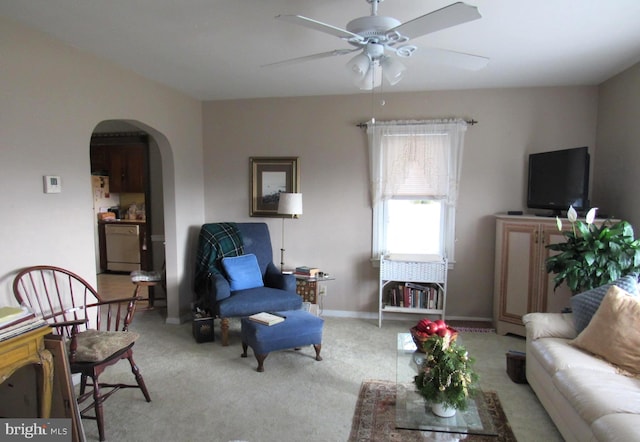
[
  {"x": 396, "y": 316},
  {"x": 361, "y": 315}
]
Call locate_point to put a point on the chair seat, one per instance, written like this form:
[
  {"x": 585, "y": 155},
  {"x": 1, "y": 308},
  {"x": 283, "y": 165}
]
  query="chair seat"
[
  {"x": 260, "y": 299},
  {"x": 95, "y": 345}
]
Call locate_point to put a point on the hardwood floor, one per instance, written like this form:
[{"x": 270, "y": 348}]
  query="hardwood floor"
[{"x": 114, "y": 286}]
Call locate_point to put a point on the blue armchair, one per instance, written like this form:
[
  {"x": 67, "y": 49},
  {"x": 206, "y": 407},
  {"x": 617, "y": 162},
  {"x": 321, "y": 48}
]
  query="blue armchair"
[{"x": 216, "y": 281}]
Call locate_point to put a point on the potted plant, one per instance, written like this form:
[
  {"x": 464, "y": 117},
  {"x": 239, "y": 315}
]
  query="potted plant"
[
  {"x": 446, "y": 378},
  {"x": 593, "y": 256}
]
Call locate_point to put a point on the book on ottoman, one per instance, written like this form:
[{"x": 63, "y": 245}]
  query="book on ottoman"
[{"x": 267, "y": 318}]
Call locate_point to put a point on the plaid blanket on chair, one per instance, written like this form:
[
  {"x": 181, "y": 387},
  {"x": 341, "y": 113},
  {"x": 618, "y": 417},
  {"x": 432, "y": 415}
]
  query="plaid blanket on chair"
[{"x": 216, "y": 241}]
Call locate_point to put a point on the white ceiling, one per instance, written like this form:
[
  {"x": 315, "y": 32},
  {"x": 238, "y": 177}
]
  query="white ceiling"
[{"x": 214, "y": 49}]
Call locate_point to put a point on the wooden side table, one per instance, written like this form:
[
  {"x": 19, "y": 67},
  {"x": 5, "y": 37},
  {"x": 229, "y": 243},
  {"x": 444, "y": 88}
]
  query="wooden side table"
[
  {"x": 28, "y": 348},
  {"x": 310, "y": 288},
  {"x": 143, "y": 278}
]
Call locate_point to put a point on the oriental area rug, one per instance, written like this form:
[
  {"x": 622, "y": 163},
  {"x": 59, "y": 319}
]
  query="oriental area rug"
[{"x": 375, "y": 419}]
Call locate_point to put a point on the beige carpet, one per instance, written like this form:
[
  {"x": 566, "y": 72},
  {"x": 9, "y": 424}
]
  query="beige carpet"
[
  {"x": 208, "y": 392},
  {"x": 375, "y": 416}
]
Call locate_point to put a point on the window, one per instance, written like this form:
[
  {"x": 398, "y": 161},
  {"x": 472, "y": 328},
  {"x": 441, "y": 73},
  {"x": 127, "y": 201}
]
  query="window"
[
  {"x": 414, "y": 227},
  {"x": 414, "y": 185}
]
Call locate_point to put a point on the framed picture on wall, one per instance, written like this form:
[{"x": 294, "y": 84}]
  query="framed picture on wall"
[{"x": 271, "y": 176}]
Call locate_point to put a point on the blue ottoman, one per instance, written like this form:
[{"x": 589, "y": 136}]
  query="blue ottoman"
[{"x": 298, "y": 329}]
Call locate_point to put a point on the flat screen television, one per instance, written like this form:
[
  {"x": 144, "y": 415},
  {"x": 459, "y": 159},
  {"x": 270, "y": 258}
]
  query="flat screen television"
[{"x": 559, "y": 179}]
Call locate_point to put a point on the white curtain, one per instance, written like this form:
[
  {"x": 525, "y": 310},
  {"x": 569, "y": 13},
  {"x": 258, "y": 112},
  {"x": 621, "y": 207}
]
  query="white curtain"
[{"x": 415, "y": 159}]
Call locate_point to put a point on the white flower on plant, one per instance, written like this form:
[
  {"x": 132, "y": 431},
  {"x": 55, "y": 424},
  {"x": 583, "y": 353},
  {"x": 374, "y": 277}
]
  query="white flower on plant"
[
  {"x": 591, "y": 215},
  {"x": 572, "y": 215},
  {"x": 559, "y": 223}
]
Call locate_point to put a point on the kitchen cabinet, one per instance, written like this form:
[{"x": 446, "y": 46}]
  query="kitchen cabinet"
[
  {"x": 521, "y": 282},
  {"x": 126, "y": 169},
  {"x": 99, "y": 160},
  {"x": 123, "y": 158}
]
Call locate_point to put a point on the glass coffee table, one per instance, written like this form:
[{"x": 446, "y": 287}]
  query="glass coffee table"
[{"x": 414, "y": 413}]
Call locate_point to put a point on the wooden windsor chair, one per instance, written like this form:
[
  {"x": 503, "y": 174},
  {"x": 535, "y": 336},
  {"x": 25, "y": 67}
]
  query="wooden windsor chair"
[{"x": 97, "y": 330}]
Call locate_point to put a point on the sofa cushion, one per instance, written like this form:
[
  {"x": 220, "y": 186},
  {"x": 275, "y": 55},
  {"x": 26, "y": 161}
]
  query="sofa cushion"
[
  {"x": 619, "y": 427},
  {"x": 243, "y": 272},
  {"x": 556, "y": 354},
  {"x": 613, "y": 332},
  {"x": 585, "y": 304},
  {"x": 549, "y": 325},
  {"x": 594, "y": 394}
]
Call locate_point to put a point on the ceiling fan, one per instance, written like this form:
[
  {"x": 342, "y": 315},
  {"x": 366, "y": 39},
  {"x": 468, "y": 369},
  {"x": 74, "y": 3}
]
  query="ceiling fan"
[{"x": 376, "y": 36}]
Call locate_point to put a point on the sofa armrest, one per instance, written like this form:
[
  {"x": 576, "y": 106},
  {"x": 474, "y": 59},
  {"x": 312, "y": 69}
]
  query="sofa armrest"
[
  {"x": 220, "y": 288},
  {"x": 275, "y": 279},
  {"x": 549, "y": 325},
  {"x": 211, "y": 288}
]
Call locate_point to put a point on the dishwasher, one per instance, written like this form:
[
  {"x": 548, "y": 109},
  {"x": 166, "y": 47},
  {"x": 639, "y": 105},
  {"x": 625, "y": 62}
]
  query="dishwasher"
[{"x": 123, "y": 247}]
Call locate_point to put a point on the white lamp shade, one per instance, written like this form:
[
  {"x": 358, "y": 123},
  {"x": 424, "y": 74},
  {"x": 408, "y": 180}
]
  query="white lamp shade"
[
  {"x": 358, "y": 66},
  {"x": 290, "y": 204},
  {"x": 393, "y": 70},
  {"x": 372, "y": 79}
]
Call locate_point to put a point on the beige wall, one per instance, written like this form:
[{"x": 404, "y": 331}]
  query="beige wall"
[
  {"x": 335, "y": 231},
  {"x": 51, "y": 99},
  {"x": 618, "y": 156}
]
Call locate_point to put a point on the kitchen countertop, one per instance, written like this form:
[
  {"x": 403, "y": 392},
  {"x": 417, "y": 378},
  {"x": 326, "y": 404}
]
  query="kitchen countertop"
[{"x": 122, "y": 221}]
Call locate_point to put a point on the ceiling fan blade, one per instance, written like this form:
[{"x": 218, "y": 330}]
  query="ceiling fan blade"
[
  {"x": 452, "y": 15},
  {"x": 453, "y": 58},
  {"x": 333, "y": 53},
  {"x": 319, "y": 26}
]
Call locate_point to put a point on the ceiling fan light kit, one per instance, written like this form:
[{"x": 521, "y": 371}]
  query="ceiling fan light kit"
[
  {"x": 359, "y": 65},
  {"x": 393, "y": 70},
  {"x": 372, "y": 78},
  {"x": 374, "y": 35}
]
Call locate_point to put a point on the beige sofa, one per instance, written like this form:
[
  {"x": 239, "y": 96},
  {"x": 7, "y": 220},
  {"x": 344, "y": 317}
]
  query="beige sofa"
[{"x": 588, "y": 398}]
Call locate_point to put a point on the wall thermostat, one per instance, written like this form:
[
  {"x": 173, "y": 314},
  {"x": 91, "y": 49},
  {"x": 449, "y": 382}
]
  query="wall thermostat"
[{"x": 52, "y": 184}]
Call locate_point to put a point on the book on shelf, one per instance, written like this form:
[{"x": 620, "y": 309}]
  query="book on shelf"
[
  {"x": 267, "y": 318},
  {"x": 411, "y": 295},
  {"x": 307, "y": 271}
]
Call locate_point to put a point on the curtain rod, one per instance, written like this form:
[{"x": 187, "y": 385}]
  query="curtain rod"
[{"x": 471, "y": 122}]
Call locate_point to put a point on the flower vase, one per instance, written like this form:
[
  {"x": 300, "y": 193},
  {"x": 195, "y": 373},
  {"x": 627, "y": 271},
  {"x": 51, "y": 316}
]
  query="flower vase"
[{"x": 441, "y": 410}]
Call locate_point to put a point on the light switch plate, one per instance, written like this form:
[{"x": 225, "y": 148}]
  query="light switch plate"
[{"x": 52, "y": 184}]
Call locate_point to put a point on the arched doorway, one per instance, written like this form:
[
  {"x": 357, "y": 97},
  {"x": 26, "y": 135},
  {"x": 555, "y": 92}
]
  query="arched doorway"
[{"x": 144, "y": 205}]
